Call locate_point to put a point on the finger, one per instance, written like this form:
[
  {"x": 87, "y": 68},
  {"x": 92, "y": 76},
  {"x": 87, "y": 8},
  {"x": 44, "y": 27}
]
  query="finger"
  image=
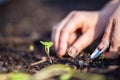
[
  {"x": 73, "y": 37},
  {"x": 114, "y": 51},
  {"x": 107, "y": 35},
  {"x": 69, "y": 28},
  {"x": 82, "y": 42},
  {"x": 111, "y": 55},
  {"x": 55, "y": 35},
  {"x": 57, "y": 29}
]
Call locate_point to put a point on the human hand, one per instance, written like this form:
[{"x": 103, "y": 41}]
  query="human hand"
[
  {"x": 112, "y": 35},
  {"x": 91, "y": 25}
]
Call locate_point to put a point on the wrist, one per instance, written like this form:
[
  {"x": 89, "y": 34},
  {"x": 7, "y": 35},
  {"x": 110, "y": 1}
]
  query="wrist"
[{"x": 110, "y": 8}]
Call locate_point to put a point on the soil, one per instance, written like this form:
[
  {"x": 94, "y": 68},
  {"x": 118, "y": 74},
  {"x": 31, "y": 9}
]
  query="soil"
[{"x": 20, "y": 57}]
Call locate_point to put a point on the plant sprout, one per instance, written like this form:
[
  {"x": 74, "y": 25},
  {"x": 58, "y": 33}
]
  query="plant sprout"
[
  {"x": 47, "y": 46},
  {"x": 102, "y": 56}
]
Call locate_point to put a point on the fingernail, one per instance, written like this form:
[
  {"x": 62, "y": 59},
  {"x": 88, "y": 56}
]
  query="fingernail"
[
  {"x": 95, "y": 54},
  {"x": 73, "y": 51},
  {"x": 101, "y": 46},
  {"x": 60, "y": 52}
]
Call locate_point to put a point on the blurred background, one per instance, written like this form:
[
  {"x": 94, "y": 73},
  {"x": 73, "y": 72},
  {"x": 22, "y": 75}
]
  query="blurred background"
[{"x": 25, "y": 17}]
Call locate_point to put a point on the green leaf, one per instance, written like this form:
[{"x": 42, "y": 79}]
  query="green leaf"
[
  {"x": 51, "y": 71},
  {"x": 15, "y": 76},
  {"x": 102, "y": 56},
  {"x": 48, "y": 44},
  {"x": 19, "y": 76},
  {"x": 43, "y": 43},
  {"x": 66, "y": 76}
]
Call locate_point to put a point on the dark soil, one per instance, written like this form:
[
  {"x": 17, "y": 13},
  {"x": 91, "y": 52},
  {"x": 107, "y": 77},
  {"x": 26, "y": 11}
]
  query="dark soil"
[{"x": 19, "y": 57}]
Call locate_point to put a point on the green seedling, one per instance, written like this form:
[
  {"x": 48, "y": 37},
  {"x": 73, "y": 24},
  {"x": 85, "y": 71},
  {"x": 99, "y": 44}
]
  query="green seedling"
[
  {"x": 47, "y": 46},
  {"x": 102, "y": 57}
]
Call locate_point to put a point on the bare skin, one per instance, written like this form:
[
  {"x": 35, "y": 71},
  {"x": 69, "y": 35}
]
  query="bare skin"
[
  {"x": 64, "y": 35},
  {"x": 112, "y": 34},
  {"x": 91, "y": 25}
]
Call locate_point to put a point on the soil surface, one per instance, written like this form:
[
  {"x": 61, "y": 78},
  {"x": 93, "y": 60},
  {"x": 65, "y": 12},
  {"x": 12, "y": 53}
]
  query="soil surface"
[{"x": 22, "y": 58}]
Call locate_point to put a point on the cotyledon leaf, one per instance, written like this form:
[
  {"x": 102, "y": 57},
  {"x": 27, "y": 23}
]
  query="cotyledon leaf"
[{"x": 49, "y": 44}]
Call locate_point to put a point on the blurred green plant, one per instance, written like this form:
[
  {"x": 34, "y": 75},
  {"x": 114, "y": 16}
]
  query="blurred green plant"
[
  {"x": 15, "y": 76},
  {"x": 47, "y": 46},
  {"x": 58, "y": 71},
  {"x": 66, "y": 76},
  {"x": 55, "y": 72},
  {"x": 101, "y": 56},
  {"x": 62, "y": 72}
]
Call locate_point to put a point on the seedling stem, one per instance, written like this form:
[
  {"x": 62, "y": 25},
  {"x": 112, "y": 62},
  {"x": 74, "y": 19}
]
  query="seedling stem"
[{"x": 47, "y": 46}]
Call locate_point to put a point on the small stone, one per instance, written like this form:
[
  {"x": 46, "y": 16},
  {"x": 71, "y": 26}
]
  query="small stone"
[
  {"x": 32, "y": 71},
  {"x": 113, "y": 67},
  {"x": 1, "y": 63},
  {"x": 85, "y": 70},
  {"x": 4, "y": 69},
  {"x": 74, "y": 67},
  {"x": 81, "y": 63},
  {"x": 18, "y": 67},
  {"x": 86, "y": 64},
  {"x": 81, "y": 54},
  {"x": 67, "y": 64},
  {"x": 31, "y": 47},
  {"x": 5, "y": 63}
]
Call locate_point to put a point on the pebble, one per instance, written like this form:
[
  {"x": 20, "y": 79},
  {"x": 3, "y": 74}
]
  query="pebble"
[
  {"x": 86, "y": 64},
  {"x": 4, "y": 69},
  {"x": 31, "y": 47},
  {"x": 1, "y": 63},
  {"x": 74, "y": 67},
  {"x": 85, "y": 70},
  {"x": 6, "y": 64},
  {"x": 113, "y": 67},
  {"x": 67, "y": 64},
  {"x": 18, "y": 67},
  {"x": 81, "y": 63}
]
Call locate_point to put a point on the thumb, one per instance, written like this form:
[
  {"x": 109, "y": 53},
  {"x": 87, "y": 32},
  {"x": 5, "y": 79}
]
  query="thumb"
[{"x": 107, "y": 35}]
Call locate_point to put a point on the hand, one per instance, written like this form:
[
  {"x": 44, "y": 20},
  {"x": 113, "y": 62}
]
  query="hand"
[
  {"x": 112, "y": 35},
  {"x": 91, "y": 25}
]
